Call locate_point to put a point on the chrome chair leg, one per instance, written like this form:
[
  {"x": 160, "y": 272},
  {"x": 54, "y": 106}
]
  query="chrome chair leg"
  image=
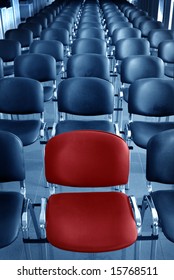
[
  {"x": 153, "y": 252},
  {"x": 137, "y": 250}
]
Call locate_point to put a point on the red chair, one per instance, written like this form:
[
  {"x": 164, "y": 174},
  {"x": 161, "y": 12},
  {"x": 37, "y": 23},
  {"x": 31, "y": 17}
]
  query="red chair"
[{"x": 88, "y": 221}]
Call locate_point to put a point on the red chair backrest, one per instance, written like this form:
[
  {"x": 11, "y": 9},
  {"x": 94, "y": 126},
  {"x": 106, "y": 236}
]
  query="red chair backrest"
[{"x": 87, "y": 159}]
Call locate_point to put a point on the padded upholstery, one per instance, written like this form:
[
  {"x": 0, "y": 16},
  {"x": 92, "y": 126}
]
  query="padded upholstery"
[
  {"x": 86, "y": 96},
  {"x": 138, "y": 20},
  {"x": 9, "y": 49},
  {"x": 117, "y": 25},
  {"x": 149, "y": 25},
  {"x": 11, "y": 155},
  {"x": 36, "y": 66},
  {"x": 28, "y": 131},
  {"x": 59, "y": 34},
  {"x": 41, "y": 67},
  {"x": 89, "y": 69},
  {"x": 141, "y": 132},
  {"x": 123, "y": 33},
  {"x": 90, "y": 222},
  {"x": 89, "y": 45},
  {"x": 50, "y": 47},
  {"x": 153, "y": 98},
  {"x": 166, "y": 53},
  {"x": 141, "y": 66},
  {"x": 38, "y": 19},
  {"x": 80, "y": 160},
  {"x": 24, "y": 36},
  {"x": 92, "y": 32},
  {"x": 11, "y": 204},
  {"x": 12, "y": 169},
  {"x": 62, "y": 24},
  {"x": 14, "y": 101},
  {"x": 35, "y": 27},
  {"x": 160, "y": 150},
  {"x": 71, "y": 125},
  {"x": 156, "y": 36},
  {"x": 135, "y": 13},
  {"x": 164, "y": 203},
  {"x": 131, "y": 46}
]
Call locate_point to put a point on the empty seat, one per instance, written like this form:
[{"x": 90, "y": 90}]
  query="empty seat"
[
  {"x": 147, "y": 26},
  {"x": 22, "y": 97},
  {"x": 35, "y": 27},
  {"x": 89, "y": 45},
  {"x": 41, "y": 67},
  {"x": 50, "y": 47},
  {"x": 152, "y": 97},
  {"x": 77, "y": 221},
  {"x": 87, "y": 97},
  {"x": 156, "y": 36},
  {"x": 159, "y": 170},
  {"x": 124, "y": 33},
  {"x": 59, "y": 34},
  {"x": 136, "y": 67},
  {"x": 24, "y": 36},
  {"x": 9, "y": 50},
  {"x": 84, "y": 65},
  {"x": 166, "y": 53},
  {"x": 14, "y": 206},
  {"x": 92, "y": 32}
]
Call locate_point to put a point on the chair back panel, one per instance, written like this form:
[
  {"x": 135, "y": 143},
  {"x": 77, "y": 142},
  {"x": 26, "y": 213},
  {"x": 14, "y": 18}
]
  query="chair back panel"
[
  {"x": 41, "y": 67},
  {"x": 151, "y": 97},
  {"x": 88, "y": 65},
  {"x": 59, "y": 34},
  {"x": 21, "y": 96},
  {"x": 124, "y": 33},
  {"x": 141, "y": 66},
  {"x": 85, "y": 96},
  {"x": 24, "y": 36},
  {"x": 89, "y": 45},
  {"x": 87, "y": 159},
  {"x": 12, "y": 159},
  {"x": 156, "y": 36},
  {"x": 50, "y": 47},
  {"x": 166, "y": 51},
  {"x": 9, "y": 49},
  {"x": 131, "y": 46},
  {"x": 92, "y": 32},
  {"x": 160, "y": 159}
]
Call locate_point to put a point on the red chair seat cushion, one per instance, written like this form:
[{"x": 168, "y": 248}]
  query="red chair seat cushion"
[{"x": 90, "y": 222}]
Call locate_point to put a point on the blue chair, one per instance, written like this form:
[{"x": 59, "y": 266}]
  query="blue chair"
[
  {"x": 14, "y": 205},
  {"x": 159, "y": 170}
]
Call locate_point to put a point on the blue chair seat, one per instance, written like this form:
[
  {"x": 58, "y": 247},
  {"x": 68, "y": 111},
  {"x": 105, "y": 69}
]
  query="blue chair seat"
[
  {"x": 169, "y": 70},
  {"x": 11, "y": 205},
  {"x": 27, "y": 130},
  {"x": 164, "y": 203},
  {"x": 48, "y": 93},
  {"x": 71, "y": 125},
  {"x": 141, "y": 132}
]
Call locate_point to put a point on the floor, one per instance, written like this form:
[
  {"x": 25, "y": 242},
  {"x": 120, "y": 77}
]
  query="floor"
[{"x": 36, "y": 188}]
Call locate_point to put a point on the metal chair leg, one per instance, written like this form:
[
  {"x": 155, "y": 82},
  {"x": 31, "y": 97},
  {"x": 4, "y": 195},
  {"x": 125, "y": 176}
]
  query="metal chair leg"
[
  {"x": 137, "y": 250},
  {"x": 153, "y": 252}
]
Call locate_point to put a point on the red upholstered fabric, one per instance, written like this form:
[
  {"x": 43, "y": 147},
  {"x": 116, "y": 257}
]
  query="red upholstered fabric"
[
  {"x": 90, "y": 222},
  {"x": 87, "y": 159}
]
